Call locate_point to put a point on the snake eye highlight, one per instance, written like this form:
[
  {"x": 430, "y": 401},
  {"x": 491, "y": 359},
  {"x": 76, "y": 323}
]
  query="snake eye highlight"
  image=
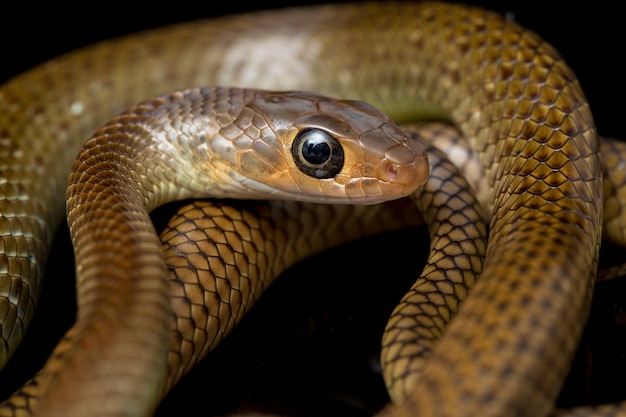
[{"x": 317, "y": 153}]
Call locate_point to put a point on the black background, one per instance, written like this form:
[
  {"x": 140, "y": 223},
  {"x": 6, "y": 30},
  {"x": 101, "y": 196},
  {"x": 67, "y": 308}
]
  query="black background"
[{"x": 330, "y": 370}]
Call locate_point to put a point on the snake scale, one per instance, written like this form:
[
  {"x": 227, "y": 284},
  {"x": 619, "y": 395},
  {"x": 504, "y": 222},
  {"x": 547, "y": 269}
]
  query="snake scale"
[{"x": 542, "y": 399}]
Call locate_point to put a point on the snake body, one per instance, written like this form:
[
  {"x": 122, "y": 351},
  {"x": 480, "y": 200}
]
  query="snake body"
[
  {"x": 242, "y": 141},
  {"x": 509, "y": 92}
]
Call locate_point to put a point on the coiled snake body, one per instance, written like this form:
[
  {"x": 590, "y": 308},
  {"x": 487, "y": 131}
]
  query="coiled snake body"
[{"x": 509, "y": 92}]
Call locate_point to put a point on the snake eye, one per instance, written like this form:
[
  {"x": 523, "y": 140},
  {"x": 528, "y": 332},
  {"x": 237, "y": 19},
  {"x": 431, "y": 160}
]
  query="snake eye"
[{"x": 317, "y": 153}]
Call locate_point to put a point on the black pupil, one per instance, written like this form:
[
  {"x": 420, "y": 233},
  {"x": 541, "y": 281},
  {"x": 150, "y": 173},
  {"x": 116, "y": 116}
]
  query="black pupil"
[{"x": 316, "y": 150}]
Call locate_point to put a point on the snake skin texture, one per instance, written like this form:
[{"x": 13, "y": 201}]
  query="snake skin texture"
[{"x": 502, "y": 234}]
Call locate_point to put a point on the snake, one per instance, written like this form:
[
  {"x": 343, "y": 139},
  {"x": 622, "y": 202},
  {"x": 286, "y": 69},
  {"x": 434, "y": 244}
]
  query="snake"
[{"x": 509, "y": 92}]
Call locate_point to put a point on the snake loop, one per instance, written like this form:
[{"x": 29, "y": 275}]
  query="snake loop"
[{"x": 510, "y": 93}]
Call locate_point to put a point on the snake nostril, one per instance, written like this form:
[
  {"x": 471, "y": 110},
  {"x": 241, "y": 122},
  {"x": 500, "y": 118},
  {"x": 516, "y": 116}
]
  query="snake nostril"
[{"x": 392, "y": 172}]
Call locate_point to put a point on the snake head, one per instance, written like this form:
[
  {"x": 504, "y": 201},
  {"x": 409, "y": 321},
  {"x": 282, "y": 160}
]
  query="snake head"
[{"x": 315, "y": 148}]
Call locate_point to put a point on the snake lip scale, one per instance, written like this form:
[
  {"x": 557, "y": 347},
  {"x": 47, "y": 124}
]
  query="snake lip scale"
[{"x": 546, "y": 137}]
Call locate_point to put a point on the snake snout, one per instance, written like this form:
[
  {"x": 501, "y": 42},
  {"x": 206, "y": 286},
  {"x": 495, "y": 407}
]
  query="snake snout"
[{"x": 405, "y": 166}]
